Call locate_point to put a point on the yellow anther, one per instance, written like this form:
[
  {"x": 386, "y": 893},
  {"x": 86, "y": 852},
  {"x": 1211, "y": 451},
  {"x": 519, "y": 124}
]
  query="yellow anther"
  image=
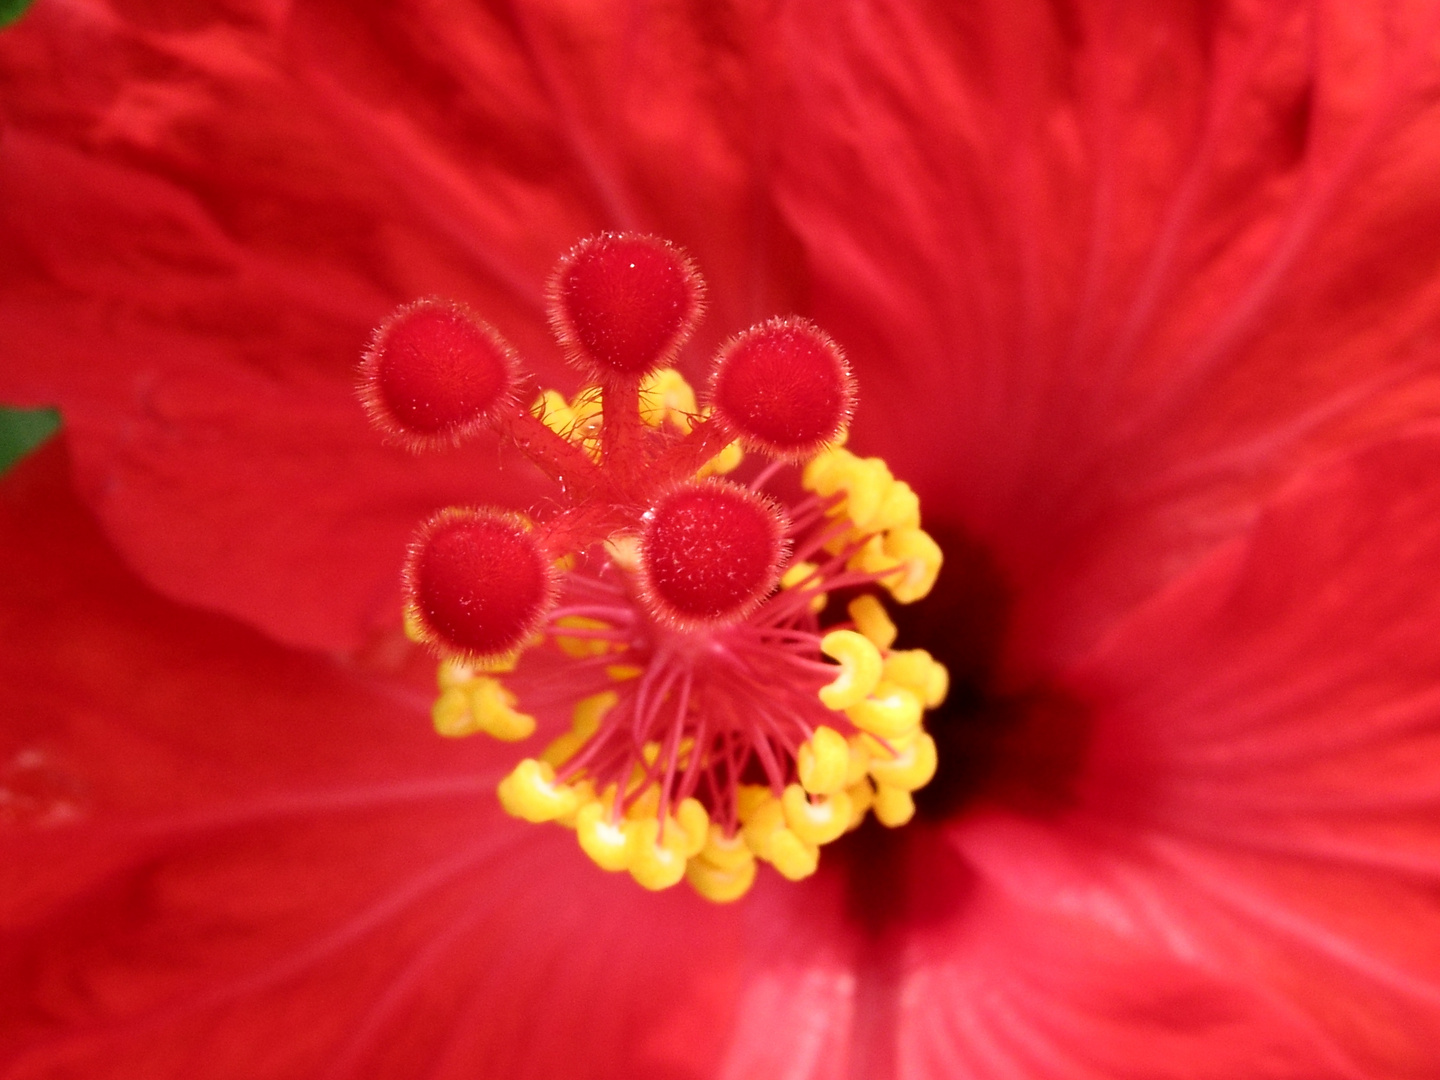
[
  {"x": 722, "y": 884},
  {"x": 726, "y": 852},
  {"x": 451, "y": 714},
  {"x": 816, "y": 821},
  {"x": 917, "y": 670},
  {"x": 665, "y": 395},
  {"x": 764, "y": 821},
  {"x": 804, "y": 573},
  {"x": 728, "y": 460},
  {"x": 607, "y": 842},
  {"x": 909, "y": 668},
  {"x": 890, "y": 711},
  {"x": 581, "y": 647},
  {"x": 530, "y": 792},
  {"x": 623, "y": 672},
  {"x": 792, "y": 856},
  {"x": 862, "y": 797},
  {"x": 937, "y": 686},
  {"x": 872, "y": 620},
  {"x": 899, "y": 509},
  {"x": 910, "y": 768},
  {"x": 893, "y": 807},
  {"x": 749, "y": 798},
  {"x": 494, "y": 710},
  {"x": 561, "y": 749},
  {"x": 866, "y": 482},
  {"x": 480, "y": 704},
  {"x": 694, "y": 822},
  {"x": 584, "y": 795},
  {"x": 823, "y": 761},
  {"x": 860, "y": 668},
  {"x": 453, "y": 673},
  {"x": 842, "y": 542},
  {"x": 554, "y": 411},
  {"x": 798, "y": 572},
  {"x": 867, "y": 486},
  {"x": 872, "y": 559},
  {"x": 656, "y": 862},
  {"x": 885, "y": 749},
  {"x": 624, "y": 551},
  {"x": 501, "y": 665},
  {"x": 858, "y": 767},
  {"x": 414, "y": 628},
  {"x": 588, "y": 712},
  {"x": 920, "y": 558},
  {"x": 827, "y": 472},
  {"x": 646, "y": 806}
]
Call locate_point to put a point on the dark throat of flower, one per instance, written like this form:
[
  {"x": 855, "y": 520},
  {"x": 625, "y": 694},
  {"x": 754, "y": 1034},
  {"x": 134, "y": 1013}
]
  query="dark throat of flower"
[
  {"x": 1002, "y": 743},
  {"x": 701, "y": 626}
]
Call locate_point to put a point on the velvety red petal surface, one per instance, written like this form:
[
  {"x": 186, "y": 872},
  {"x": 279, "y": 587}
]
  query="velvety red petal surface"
[
  {"x": 1126, "y": 267},
  {"x": 1296, "y": 779},
  {"x": 1125, "y": 287},
  {"x": 290, "y": 875},
  {"x": 207, "y": 210}
]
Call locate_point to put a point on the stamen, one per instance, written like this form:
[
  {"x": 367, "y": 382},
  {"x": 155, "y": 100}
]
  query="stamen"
[{"x": 700, "y": 713}]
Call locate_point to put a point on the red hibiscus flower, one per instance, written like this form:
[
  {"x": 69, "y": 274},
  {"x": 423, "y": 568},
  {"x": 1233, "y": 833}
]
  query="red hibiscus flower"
[{"x": 1142, "y": 299}]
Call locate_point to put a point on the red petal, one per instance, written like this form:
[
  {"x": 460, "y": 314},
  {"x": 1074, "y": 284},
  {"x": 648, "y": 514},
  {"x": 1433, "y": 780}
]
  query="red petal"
[
  {"x": 1108, "y": 275},
  {"x": 271, "y": 859},
  {"x": 1275, "y": 717},
  {"x": 1086, "y": 955}
]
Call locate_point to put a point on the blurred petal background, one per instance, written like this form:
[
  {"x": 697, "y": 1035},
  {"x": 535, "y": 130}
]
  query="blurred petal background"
[{"x": 1143, "y": 299}]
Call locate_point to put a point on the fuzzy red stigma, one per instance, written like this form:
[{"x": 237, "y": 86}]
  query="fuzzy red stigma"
[
  {"x": 710, "y": 552},
  {"x": 477, "y": 582},
  {"x": 434, "y": 373},
  {"x": 784, "y": 387},
  {"x": 623, "y": 304}
]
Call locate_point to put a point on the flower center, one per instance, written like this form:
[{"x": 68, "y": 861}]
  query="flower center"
[{"x": 711, "y": 703}]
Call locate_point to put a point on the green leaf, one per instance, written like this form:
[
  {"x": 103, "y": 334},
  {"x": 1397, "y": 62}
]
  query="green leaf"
[
  {"x": 22, "y": 430},
  {"x": 10, "y": 10}
]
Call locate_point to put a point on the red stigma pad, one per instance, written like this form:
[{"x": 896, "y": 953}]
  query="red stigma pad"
[
  {"x": 623, "y": 304},
  {"x": 478, "y": 582},
  {"x": 784, "y": 387},
  {"x": 434, "y": 372},
  {"x": 710, "y": 552}
]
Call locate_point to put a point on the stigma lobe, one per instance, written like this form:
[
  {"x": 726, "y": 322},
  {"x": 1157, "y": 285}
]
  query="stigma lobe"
[
  {"x": 622, "y": 305},
  {"x": 784, "y": 387},
  {"x": 478, "y": 582},
  {"x": 710, "y": 551},
  {"x": 434, "y": 373}
]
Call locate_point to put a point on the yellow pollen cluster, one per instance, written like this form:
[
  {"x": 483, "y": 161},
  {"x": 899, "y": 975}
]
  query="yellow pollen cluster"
[
  {"x": 666, "y": 399},
  {"x": 472, "y": 701},
  {"x": 884, "y": 518},
  {"x": 868, "y": 759}
]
